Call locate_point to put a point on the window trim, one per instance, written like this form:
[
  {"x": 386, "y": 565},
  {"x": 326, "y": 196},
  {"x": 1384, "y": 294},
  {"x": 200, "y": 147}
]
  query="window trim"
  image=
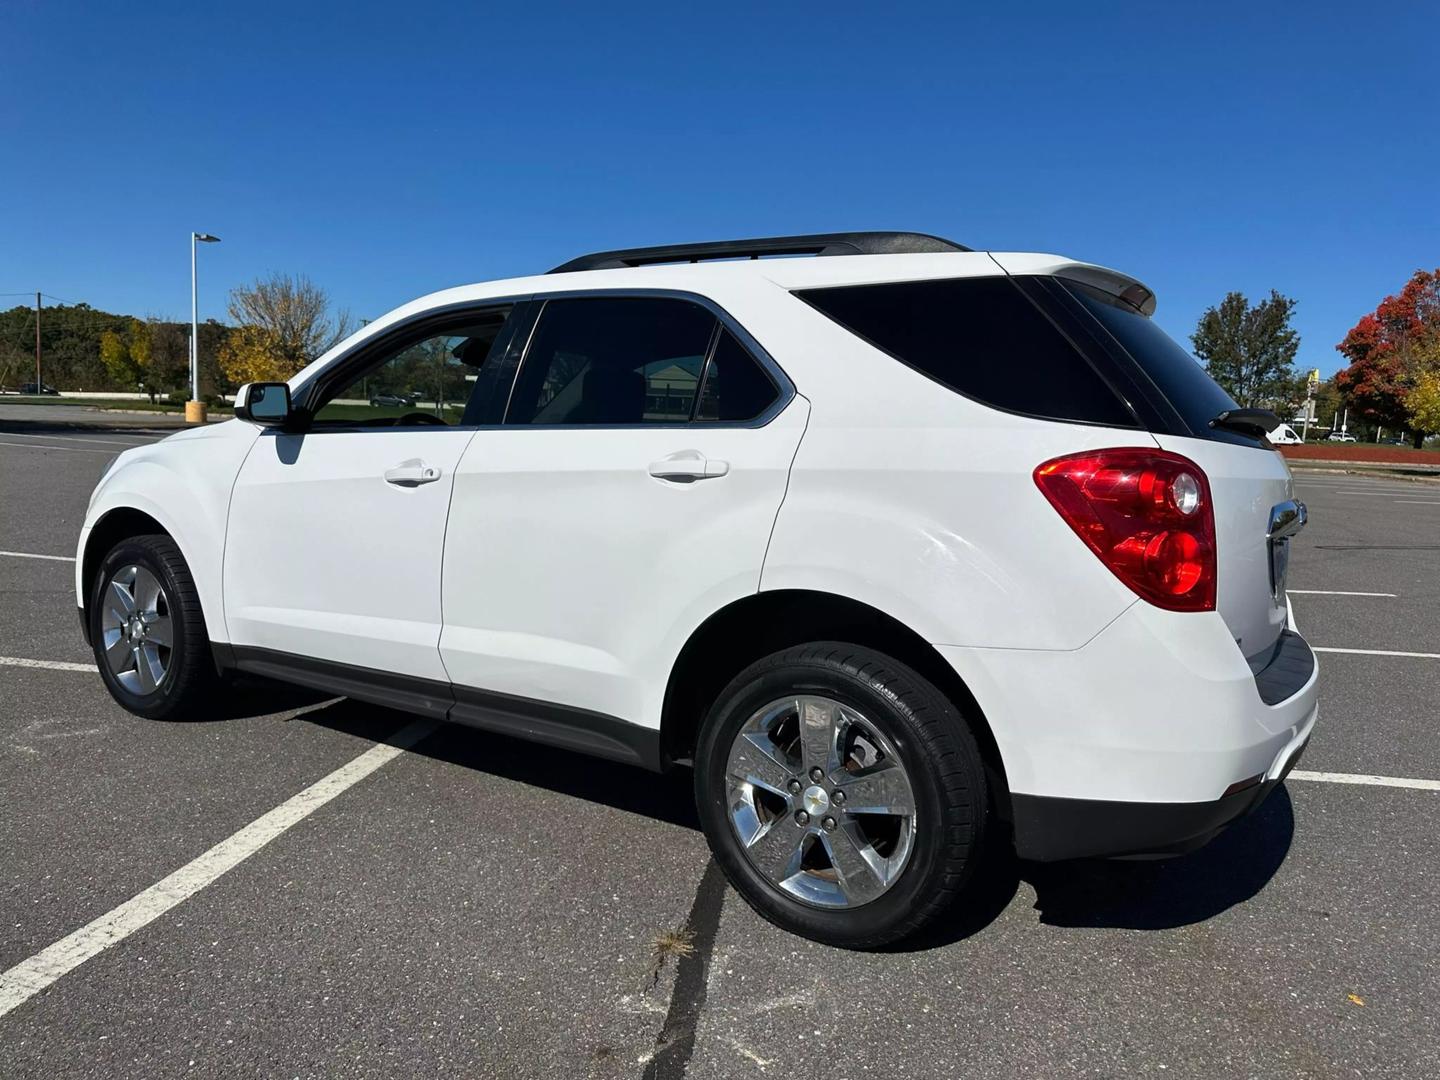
[
  {"x": 354, "y": 361},
  {"x": 376, "y": 349},
  {"x": 1086, "y": 356},
  {"x": 785, "y": 389}
]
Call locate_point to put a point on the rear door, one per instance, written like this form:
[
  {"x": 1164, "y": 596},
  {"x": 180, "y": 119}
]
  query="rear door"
[{"x": 629, "y": 494}]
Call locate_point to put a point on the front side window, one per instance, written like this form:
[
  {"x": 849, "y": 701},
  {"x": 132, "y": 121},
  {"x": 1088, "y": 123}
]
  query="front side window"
[
  {"x": 430, "y": 378},
  {"x": 613, "y": 360}
]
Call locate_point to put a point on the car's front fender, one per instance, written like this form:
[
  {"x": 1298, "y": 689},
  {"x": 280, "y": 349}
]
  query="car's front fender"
[{"x": 184, "y": 484}]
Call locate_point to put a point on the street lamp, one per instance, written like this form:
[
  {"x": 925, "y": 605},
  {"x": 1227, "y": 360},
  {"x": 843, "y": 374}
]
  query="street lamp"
[{"x": 194, "y": 409}]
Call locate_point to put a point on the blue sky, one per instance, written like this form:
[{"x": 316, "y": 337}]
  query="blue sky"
[{"x": 389, "y": 150}]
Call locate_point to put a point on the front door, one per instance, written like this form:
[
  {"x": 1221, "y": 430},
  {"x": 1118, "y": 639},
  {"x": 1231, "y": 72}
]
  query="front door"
[{"x": 335, "y": 533}]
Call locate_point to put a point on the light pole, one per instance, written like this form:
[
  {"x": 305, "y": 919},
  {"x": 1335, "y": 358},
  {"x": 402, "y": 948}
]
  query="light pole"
[{"x": 194, "y": 408}]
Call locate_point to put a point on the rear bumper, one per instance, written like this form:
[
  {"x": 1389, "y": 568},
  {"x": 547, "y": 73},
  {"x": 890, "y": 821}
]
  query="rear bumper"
[
  {"x": 1147, "y": 740},
  {"x": 1049, "y": 830}
]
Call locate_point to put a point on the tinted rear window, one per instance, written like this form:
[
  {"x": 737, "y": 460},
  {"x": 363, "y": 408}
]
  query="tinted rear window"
[
  {"x": 982, "y": 338},
  {"x": 1179, "y": 376}
]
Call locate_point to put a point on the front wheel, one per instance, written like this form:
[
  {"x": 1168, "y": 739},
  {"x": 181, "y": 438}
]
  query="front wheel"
[
  {"x": 843, "y": 795},
  {"x": 148, "y": 632}
]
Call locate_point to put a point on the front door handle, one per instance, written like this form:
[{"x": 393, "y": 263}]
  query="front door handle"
[
  {"x": 412, "y": 473},
  {"x": 688, "y": 465}
]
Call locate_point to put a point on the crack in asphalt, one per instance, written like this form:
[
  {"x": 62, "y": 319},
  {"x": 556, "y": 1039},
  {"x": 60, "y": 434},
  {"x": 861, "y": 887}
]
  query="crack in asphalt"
[{"x": 676, "y": 1042}]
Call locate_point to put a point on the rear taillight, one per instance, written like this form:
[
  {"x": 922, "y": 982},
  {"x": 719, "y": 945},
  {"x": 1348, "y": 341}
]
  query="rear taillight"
[{"x": 1147, "y": 514}]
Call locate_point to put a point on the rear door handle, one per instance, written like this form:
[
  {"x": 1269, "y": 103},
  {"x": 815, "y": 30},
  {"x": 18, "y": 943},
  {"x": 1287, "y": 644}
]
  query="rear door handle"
[
  {"x": 412, "y": 473},
  {"x": 688, "y": 465}
]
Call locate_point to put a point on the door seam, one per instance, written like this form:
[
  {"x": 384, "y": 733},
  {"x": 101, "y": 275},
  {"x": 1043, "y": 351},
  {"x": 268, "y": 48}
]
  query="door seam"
[{"x": 789, "y": 471}]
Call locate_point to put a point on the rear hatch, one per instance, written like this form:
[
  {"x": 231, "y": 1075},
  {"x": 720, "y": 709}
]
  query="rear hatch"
[{"x": 1249, "y": 480}]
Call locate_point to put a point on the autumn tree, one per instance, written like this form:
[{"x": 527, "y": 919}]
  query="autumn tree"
[
  {"x": 284, "y": 322},
  {"x": 126, "y": 355},
  {"x": 1423, "y": 403},
  {"x": 1249, "y": 350},
  {"x": 1394, "y": 355}
]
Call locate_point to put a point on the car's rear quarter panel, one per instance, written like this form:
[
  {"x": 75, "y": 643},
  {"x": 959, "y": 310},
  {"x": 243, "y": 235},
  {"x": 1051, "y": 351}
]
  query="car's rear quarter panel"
[{"x": 913, "y": 499}]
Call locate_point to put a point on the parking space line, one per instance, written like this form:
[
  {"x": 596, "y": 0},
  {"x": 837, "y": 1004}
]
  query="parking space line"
[
  {"x": 65, "y": 437},
  {"x": 1360, "y": 778},
  {"x": 1379, "y": 652},
  {"x": 1418, "y": 502},
  {"x": 48, "y": 665},
  {"x": 1312, "y": 490},
  {"x": 33, "y": 555},
  {"x": 66, "y": 449},
  {"x": 1302, "y": 592},
  {"x": 29, "y": 977}
]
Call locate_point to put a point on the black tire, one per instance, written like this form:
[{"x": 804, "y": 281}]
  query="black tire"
[
  {"x": 190, "y": 679},
  {"x": 936, "y": 748}
]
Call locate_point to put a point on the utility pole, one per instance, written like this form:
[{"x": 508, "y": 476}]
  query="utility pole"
[{"x": 38, "y": 383}]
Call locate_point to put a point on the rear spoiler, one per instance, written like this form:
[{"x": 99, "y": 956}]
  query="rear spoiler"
[
  {"x": 1125, "y": 288},
  {"x": 1122, "y": 286}
]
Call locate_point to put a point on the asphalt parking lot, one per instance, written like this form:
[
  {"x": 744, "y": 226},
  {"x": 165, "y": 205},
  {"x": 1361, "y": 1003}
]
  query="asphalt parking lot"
[{"x": 480, "y": 907}]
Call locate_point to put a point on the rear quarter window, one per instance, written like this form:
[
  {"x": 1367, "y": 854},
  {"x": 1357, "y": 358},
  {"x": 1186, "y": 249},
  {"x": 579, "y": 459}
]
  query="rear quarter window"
[
  {"x": 982, "y": 338},
  {"x": 1176, "y": 374}
]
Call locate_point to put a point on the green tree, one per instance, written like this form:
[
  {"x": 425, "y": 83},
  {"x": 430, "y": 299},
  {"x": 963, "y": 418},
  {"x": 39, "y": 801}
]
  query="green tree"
[{"x": 1250, "y": 349}]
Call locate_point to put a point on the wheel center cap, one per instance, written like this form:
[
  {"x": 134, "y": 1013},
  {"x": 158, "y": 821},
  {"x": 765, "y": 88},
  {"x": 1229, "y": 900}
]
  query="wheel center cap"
[{"x": 815, "y": 800}]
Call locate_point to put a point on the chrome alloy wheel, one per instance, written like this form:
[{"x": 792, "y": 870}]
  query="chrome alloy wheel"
[
  {"x": 820, "y": 801},
  {"x": 136, "y": 629}
]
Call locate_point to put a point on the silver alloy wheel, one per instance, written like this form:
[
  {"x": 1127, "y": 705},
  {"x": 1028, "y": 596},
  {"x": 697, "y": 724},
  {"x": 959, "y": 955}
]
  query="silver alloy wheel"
[
  {"x": 820, "y": 801},
  {"x": 136, "y": 629}
]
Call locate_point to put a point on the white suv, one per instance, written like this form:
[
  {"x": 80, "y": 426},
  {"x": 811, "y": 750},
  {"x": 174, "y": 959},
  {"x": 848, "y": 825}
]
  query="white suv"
[{"x": 903, "y": 547}]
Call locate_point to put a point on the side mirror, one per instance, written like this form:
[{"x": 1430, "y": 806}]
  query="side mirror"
[{"x": 266, "y": 403}]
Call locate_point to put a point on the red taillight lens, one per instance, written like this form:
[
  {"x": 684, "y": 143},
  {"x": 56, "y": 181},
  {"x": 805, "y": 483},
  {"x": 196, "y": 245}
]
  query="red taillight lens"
[{"x": 1147, "y": 514}]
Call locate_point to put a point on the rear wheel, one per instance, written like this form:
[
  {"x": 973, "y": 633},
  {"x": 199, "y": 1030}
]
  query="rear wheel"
[
  {"x": 843, "y": 795},
  {"x": 148, "y": 632}
]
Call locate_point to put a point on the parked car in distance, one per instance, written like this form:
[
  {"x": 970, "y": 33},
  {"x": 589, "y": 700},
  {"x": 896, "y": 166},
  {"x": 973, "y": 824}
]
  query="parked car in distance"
[
  {"x": 1340, "y": 436},
  {"x": 1285, "y": 435},
  {"x": 886, "y": 545},
  {"x": 394, "y": 401},
  {"x": 38, "y": 388}
]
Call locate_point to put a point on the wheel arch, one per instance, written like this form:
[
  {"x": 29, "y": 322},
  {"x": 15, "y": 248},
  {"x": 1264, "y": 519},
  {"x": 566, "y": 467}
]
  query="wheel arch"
[
  {"x": 119, "y": 523},
  {"x": 763, "y": 623}
]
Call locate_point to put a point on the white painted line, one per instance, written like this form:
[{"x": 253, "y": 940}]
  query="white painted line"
[
  {"x": 29, "y": 977},
  {"x": 1419, "y": 502},
  {"x": 1380, "y": 652},
  {"x": 48, "y": 665},
  {"x": 1377, "y": 492},
  {"x": 1302, "y": 592},
  {"x": 67, "y": 449},
  {"x": 78, "y": 438},
  {"x": 1360, "y": 778},
  {"x": 33, "y": 555}
]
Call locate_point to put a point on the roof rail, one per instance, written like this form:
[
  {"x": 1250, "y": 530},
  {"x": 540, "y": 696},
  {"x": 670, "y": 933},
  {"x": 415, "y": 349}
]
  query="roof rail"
[{"x": 847, "y": 243}]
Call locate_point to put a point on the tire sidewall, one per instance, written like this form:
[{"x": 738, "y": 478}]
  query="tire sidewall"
[
  {"x": 847, "y": 926},
  {"x": 134, "y": 553}
]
